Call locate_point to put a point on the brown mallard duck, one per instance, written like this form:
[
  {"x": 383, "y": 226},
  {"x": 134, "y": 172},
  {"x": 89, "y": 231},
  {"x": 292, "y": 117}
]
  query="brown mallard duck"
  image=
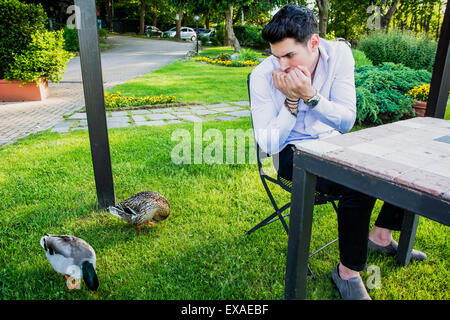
[
  {"x": 72, "y": 257},
  {"x": 144, "y": 207}
]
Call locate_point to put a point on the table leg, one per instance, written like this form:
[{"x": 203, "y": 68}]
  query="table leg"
[
  {"x": 407, "y": 237},
  {"x": 300, "y": 224}
]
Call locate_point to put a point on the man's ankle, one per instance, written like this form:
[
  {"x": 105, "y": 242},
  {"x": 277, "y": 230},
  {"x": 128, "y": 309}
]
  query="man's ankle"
[
  {"x": 380, "y": 236},
  {"x": 346, "y": 273}
]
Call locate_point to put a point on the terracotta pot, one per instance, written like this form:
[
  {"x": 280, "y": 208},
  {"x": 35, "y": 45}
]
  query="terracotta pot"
[
  {"x": 14, "y": 91},
  {"x": 419, "y": 108}
]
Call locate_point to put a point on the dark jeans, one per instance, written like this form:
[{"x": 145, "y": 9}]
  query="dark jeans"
[{"x": 354, "y": 212}]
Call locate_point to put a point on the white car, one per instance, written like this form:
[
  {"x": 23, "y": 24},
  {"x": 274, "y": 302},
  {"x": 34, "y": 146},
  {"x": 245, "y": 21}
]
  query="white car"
[{"x": 186, "y": 33}]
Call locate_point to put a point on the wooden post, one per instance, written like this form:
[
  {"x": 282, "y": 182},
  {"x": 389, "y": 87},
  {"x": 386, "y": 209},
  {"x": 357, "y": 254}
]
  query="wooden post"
[
  {"x": 300, "y": 225},
  {"x": 91, "y": 71},
  {"x": 440, "y": 80},
  {"x": 407, "y": 238}
]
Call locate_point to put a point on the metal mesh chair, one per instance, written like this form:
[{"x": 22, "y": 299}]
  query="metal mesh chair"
[{"x": 286, "y": 185}]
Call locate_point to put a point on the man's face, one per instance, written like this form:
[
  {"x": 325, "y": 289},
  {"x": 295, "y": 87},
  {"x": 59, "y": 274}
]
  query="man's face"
[{"x": 291, "y": 53}]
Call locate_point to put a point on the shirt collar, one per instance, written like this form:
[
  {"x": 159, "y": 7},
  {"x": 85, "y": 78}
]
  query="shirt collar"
[{"x": 321, "y": 68}]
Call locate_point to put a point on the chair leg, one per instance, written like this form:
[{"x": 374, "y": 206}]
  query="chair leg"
[
  {"x": 262, "y": 223},
  {"x": 310, "y": 273},
  {"x": 269, "y": 220}
]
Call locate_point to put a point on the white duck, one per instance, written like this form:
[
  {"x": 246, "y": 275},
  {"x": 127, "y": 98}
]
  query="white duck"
[
  {"x": 144, "y": 207},
  {"x": 72, "y": 257}
]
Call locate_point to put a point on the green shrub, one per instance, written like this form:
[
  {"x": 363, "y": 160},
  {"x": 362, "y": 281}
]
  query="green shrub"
[
  {"x": 204, "y": 40},
  {"x": 220, "y": 33},
  {"x": 250, "y": 36},
  {"x": 414, "y": 51},
  {"x": 246, "y": 55},
  {"x": 71, "y": 39},
  {"x": 380, "y": 92},
  {"x": 44, "y": 57},
  {"x": 18, "y": 21},
  {"x": 223, "y": 56},
  {"x": 102, "y": 34}
]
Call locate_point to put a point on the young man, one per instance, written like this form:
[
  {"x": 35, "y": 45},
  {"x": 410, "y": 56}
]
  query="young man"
[{"x": 306, "y": 90}]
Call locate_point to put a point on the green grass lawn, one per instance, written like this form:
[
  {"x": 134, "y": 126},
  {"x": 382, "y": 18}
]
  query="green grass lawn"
[
  {"x": 193, "y": 82},
  {"x": 199, "y": 252}
]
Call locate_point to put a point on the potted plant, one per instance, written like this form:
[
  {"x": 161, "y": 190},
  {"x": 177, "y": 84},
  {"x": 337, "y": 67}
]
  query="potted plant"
[
  {"x": 420, "y": 96},
  {"x": 27, "y": 76}
]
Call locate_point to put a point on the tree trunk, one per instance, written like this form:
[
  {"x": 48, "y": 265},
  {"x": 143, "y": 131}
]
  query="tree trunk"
[
  {"x": 155, "y": 19},
  {"x": 323, "y": 16},
  {"x": 142, "y": 18},
  {"x": 207, "y": 21},
  {"x": 109, "y": 18},
  {"x": 180, "y": 17},
  {"x": 230, "y": 38},
  {"x": 386, "y": 18}
]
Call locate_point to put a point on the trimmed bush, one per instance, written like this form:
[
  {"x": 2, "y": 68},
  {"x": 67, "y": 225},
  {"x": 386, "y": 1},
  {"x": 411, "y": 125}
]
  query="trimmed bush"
[
  {"x": 414, "y": 51},
  {"x": 380, "y": 92},
  {"x": 248, "y": 36},
  {"x": 18, "y": 22},
  {"x": 44, "y": 57},
  {"x": 71, "y": 39}
]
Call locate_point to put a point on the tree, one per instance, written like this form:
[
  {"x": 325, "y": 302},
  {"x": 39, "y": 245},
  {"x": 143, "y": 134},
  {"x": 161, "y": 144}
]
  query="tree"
[
  {"x": 142, "y": 17},
  {"x": 181, "y": 6},
  {"x": 323, "y": 16},
  {"x": 386, "y": 17}
]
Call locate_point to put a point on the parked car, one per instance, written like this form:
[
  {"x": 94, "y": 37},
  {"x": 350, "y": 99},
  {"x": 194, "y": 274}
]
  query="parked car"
[
  {"x": 202, "y": 32},
  {"x": 152, "y": 31},
  {"x": 186, "y": 33}
]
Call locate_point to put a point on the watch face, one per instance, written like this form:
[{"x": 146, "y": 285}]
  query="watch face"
[{"x": 313, "y": 102}]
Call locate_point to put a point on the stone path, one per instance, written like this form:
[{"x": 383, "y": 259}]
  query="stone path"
[{"x": 160, "y": 116}]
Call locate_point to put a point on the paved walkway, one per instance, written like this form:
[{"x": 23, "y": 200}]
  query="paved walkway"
[
  {"x": 160, "y": 116},
  {"x": 129, "y": 58}
]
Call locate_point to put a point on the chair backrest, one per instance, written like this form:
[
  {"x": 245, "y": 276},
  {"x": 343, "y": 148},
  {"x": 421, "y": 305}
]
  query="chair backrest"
[{"x": 260, "y": 154}]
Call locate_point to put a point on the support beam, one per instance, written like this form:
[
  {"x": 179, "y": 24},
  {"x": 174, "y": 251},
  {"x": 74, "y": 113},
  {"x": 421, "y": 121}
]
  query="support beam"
[
  {"x": 440, "y": 80},
  {"x": 91, "y": 71}
]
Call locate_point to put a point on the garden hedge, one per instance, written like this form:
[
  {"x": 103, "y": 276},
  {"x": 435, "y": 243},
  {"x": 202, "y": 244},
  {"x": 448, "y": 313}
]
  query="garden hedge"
[
  {"x": 414, "y": 51},
  {"x": 18, "y": 21}
]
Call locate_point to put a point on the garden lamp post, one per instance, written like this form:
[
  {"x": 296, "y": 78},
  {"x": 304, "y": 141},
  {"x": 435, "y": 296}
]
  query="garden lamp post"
[{"x": 196, "y": 18}]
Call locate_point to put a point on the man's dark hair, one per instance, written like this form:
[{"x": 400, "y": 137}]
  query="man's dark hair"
[{"x": 291, "y": 21}]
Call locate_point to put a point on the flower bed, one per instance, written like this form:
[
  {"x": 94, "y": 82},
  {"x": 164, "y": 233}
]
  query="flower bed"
[
  {"x": 228, "y": 63},
  {"x": 117, "y": 100}
]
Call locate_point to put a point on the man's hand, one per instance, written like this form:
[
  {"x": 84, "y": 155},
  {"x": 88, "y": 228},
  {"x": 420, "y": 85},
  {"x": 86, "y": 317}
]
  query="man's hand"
[{"x": 295, "y": 84}]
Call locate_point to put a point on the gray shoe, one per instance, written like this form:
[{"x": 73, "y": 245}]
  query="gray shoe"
[
  {"x": 391, "y": 249},
  {"x": 351, "y": 289}
]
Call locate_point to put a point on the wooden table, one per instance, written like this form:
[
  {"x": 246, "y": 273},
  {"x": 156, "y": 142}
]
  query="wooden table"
[{"x": 406, "y": 163}]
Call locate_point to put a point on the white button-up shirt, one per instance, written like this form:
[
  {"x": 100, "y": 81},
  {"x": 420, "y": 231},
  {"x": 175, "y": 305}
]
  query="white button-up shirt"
[{"x": 275, "y": 127}]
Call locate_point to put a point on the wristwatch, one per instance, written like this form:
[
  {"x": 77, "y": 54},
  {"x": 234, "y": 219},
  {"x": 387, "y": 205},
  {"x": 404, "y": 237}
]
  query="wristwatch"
[{"x": 312, "y": 102}]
